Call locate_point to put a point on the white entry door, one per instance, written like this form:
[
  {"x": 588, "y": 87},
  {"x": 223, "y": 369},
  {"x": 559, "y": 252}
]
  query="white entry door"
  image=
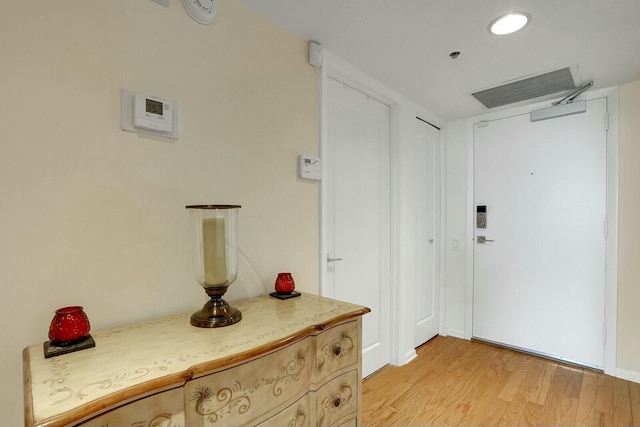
[
  {"x": 425, "y": 202},
  {"x": 358, "y": 213},
  {"x": 539, "y": 278}
]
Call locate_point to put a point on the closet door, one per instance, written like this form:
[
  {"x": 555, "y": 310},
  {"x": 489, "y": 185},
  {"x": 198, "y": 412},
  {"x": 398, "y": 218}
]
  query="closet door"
[
  {"x": 424, "y": 212},
  {"x": 358, "y": 213}
]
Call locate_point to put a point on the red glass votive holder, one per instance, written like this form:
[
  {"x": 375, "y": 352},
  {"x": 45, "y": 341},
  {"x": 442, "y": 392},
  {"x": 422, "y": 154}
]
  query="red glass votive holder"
[{"x": 69, "y": 325}]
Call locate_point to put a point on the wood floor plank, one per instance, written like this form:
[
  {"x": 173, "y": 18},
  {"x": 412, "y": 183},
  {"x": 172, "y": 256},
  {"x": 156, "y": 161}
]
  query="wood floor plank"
[
  {"x": 519, "y": 368},
  {"x": 621, "y": 386},
  {"x": 570, "y": 400},
  {"x": 493, "y": 416},
  {"x": 391, "y": 409},
  {"x": 522, "y": 382},
  {"x": 586, "y": 407},
  {"x": 456, "y": 382},
  {"x": 604, "y": 394},
  {"x": 532, "y": 383},
  {"x": 485, "y": 399},
  {"x": 622, "y": 408},
  {"x": 432, "y": 411},
  {"x": 530, "y": 415},
  {"x": 567, "y": 411},
  {"x": 603, "y": 419},
  {"x": 575, "y": 382},
  {"x": 418, "y": 397},
  {"x": 552, "y": 407},
  {"x": 634, "y": 400}
]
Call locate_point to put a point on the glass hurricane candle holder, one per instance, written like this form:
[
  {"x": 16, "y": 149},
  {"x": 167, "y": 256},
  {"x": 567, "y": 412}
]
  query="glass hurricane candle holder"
[{"x": 214, "y": 231}]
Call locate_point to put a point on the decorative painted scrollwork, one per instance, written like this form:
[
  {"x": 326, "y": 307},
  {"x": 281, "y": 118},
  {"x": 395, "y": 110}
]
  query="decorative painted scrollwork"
[
  {"x": 238, "y": 398},
  {"x": 290, "y": 373},
  {"x": 227, "y": 398},
  {"x": 161, "y": 420},
  {"x": 299, "y": 420},
  {"x": 334, "y": 350},
  {"x": 334, "y": 401},
  {"x": 118, "y": 381}
]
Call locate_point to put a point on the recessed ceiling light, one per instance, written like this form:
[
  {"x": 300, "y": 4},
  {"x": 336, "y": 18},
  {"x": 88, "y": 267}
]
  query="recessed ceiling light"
[{"x": 509, "y": 23}]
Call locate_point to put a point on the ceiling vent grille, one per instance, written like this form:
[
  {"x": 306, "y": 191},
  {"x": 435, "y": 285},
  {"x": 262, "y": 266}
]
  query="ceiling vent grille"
[{"x": 529, "y": 88}]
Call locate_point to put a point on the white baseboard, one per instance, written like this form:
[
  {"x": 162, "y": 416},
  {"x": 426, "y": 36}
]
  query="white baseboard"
[
  {"x": 410, "y": 355},
  {"x": 628, "y": 375},
  {"x": 454, "y": 333}
]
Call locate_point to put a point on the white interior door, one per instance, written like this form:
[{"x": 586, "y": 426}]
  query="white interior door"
[
  {"x": 358, "y": 213},
  {"x": 427, "y": 292},
  {"x": 539, "y": 280}
]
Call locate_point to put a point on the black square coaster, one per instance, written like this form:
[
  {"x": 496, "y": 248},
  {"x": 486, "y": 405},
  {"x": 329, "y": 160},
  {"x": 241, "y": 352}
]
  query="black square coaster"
[
  {"x": 51, "y": 350},
  {"x": 285, "y": 296}
]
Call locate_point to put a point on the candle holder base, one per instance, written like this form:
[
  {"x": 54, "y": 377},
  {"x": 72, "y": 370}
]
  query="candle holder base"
[{"x": 216, "y": 313}]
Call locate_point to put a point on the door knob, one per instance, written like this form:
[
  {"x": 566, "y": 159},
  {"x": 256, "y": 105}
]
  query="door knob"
[{"x": 333, "y": 259}]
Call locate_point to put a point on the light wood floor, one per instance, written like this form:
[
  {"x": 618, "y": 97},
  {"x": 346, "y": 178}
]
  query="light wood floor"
[{"x": 455, "y": 382}]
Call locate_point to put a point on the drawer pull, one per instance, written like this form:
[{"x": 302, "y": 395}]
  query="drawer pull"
[
  {"x": 337, "y": 350},
  {"x": 336, "y": 402}
]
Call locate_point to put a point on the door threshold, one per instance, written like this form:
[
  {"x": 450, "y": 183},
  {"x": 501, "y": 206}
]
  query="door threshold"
[{"x": 539, "y": 354}]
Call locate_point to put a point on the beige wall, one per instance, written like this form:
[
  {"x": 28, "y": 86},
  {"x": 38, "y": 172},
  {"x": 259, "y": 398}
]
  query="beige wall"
[
  {"x": 94, "y": 216},
  {"x": 629, "y": 225}
]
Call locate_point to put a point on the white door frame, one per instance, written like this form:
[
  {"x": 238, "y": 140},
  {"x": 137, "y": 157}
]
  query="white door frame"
[
  {"x": 611, "y": 261},
  {"x": 403, "y": 114}
]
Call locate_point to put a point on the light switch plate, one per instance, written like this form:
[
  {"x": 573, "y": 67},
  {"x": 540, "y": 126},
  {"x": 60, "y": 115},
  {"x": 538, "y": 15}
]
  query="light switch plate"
[{"x": 310, "y": 167}]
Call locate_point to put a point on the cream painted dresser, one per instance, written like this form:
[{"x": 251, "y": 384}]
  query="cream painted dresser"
[{"x": 295, "y": 362}]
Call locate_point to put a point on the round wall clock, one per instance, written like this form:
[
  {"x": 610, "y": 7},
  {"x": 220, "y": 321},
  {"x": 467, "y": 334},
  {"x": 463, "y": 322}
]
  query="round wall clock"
[{"x": 202, "y": 11}]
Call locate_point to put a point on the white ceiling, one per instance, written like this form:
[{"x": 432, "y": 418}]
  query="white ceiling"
[{"x": 405, "y": 44}]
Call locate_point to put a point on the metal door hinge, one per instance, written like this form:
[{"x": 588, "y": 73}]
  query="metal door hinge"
[
  {"x": 604, "y": 333},
  {"x": 606, "y": 228},
  {"x": 606, "y": 122}
]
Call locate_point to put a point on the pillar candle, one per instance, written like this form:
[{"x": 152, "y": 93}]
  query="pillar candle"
[{"x": 214, "y": 254}]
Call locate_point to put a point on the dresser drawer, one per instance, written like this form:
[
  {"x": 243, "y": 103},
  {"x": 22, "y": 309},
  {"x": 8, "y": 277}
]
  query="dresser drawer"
[
  {"x": 351, "y": 422},
  {"x": 247, "y": 393},
  {"x": 164, "y": 409},
  {"x": 337, "y": 399},
  {"x": 336, "y": 348},
  {"x": 297, "y": 415}
]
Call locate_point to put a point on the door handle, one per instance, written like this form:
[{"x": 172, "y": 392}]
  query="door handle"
[
  {"x": 333, "y": 259},
  {"x": 482, "y": 240}
]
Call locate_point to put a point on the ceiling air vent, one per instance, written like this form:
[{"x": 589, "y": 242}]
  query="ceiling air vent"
[{"x": 529, "y": 88}]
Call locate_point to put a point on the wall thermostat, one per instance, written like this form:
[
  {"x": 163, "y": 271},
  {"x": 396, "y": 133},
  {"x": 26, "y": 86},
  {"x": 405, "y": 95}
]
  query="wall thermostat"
[
  {"x": 148, "y": 114},
  {"x": 152, "y": 113},
  {"x": 310, "y": 167}
]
